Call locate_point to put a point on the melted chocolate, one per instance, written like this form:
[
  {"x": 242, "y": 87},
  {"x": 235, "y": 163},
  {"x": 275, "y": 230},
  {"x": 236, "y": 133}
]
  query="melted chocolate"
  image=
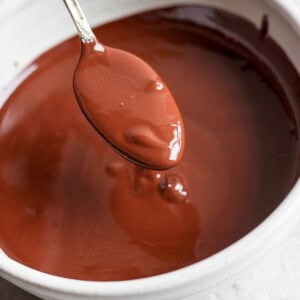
[
  {"x": 129, "y": 105},
  {"x": 71, "y": 206}
]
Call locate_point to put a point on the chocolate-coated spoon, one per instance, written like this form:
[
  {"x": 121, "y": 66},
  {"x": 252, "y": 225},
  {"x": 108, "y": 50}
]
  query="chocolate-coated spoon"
[{"x": 125, "y": 100}]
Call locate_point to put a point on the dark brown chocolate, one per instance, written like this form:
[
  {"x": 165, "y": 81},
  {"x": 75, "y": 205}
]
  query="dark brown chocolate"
[
  {"x": 71, "y": 206},
  {"x": 129, "y": 105}
]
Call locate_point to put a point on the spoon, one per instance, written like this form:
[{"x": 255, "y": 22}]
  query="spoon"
[{"x": 126, "y": 101}]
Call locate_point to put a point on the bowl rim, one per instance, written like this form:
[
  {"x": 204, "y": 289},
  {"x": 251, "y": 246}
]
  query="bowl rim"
[
  {"x": 206, "y": 268},
  {"x": 171, "y": 280}
]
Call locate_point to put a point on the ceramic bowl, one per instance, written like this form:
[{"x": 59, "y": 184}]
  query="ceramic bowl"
[{"x": 30, "y": 27}]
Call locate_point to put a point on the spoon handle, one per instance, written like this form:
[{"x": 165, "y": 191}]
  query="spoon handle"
[{"x": 84, "y": 30}]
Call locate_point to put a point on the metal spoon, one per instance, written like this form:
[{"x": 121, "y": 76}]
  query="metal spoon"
[{"x": 126, "y": 101}]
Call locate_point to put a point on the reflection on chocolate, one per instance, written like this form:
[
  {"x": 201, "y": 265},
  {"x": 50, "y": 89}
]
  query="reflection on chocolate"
[
  {"x": 166, "y": 230},
  {"x": 70, "y": 206}
]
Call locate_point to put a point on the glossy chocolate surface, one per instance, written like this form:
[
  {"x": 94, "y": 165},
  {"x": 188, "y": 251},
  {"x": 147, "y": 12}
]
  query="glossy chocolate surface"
[
  {"x": 129, "y": 105},
  {"x": 71, "y": 206}
]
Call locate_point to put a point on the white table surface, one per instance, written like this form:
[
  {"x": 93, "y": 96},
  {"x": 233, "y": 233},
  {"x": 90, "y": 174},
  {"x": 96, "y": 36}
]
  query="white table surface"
[{"x": 275, "y": 277}]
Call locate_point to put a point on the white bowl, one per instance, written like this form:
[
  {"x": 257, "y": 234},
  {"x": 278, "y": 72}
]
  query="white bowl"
[{"x": 46, "y": 23}]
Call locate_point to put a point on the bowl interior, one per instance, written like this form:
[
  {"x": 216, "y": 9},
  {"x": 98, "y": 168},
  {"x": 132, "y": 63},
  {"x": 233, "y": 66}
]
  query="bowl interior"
[{"x": 41, "y": 34}]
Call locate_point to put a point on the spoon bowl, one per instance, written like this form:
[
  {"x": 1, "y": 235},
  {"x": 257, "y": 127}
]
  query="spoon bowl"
[{"x": 126, "y": 101}]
